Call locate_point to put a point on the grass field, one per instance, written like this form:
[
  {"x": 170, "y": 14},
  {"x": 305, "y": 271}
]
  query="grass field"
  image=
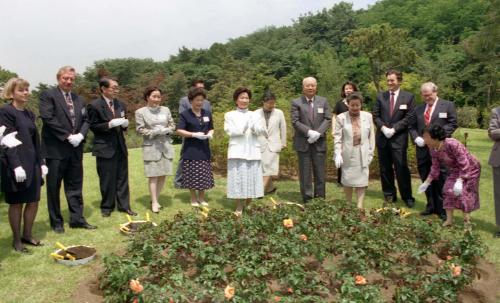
[{"x": 36, "y": 278}]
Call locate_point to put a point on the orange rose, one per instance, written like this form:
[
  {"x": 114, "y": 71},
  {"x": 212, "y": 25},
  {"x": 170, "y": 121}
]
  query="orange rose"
[
  {"x": 449, "y": 258},
  {"x": 136, "y": 286},
  {"x": 171, "y": 300},
  {"x": 360, "y": 280},
  {"x": 456, "y": 270},
  {"x": 288, "y": 223},
  {"x": 277, "y": 299},
  {"x": 290, "y": 290},
  {"x": 229, "y": 292},
  {"x": 135, "y": 300},
  {"x": 303, "y": 237}
]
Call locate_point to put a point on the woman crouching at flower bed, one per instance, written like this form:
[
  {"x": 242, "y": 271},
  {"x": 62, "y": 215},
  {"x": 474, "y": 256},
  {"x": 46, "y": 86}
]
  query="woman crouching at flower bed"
[
  {"x": 244, "y": 169},
  {"x": 461, "y": 188}
]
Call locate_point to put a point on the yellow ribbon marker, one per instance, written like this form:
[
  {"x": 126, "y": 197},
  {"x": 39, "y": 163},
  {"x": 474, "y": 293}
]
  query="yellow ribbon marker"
[
  {"x": 129, "y": 218},
  {"x": 147, "y": 217},
  {"x": 57, "y": 256}
]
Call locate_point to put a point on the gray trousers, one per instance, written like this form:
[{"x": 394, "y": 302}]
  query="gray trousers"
[
  {"x": 312, "y": 164},
  {"x": 496, "y": 191}
]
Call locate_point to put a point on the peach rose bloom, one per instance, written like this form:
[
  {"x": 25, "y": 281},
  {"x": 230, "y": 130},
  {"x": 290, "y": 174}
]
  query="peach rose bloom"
[
  {"x": 456, "y": 271},
  {"x": 229, "y": 292},
  {"x": 136, "y": 286},
  {"x": 288, "y": 223},
  {"x": 303, "y": 237},
  {"x": 360, "y": 280}
]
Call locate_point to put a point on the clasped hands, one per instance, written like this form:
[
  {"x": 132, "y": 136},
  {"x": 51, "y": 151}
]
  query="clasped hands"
[
  {"x": 123, "y": 122},
  {"x": 10, "y": 139},
  {"x": 202, "y": 136},
  {"x": 75, "y": 139},
  {"x": 313, "y": 136},
  {"x": 388, "y": 132}
]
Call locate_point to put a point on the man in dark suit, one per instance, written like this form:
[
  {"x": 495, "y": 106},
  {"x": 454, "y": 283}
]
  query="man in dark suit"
[
  {"x": 393, "y": 112},
  {"x": 311, "y": 117},
  {"x": 434, "y": 111},
  {"x": 107, "y": 118},
  {"x": 63, "y": 132}
]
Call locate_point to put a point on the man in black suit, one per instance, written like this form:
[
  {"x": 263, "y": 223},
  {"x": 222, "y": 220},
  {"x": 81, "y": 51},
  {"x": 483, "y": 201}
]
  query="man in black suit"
[
  {"x": 107, "y": 118},
  {"x": 63, "y": 132},
  {"x": 393, "y": 113},
  {"x": 311, "y": 117},
  {"x": 434, "y": 111}
]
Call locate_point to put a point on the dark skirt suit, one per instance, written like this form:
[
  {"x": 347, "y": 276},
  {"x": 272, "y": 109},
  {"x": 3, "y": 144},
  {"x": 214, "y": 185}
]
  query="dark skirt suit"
[
  {"x": 195, "y": 154},
  {"x": 26, "y": 155}
]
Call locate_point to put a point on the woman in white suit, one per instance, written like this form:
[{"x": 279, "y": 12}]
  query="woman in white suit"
[
  {"x": 244, "y": 170},
  {"x": 272, "y": 141},
  {"x": 354, "y": 147}
]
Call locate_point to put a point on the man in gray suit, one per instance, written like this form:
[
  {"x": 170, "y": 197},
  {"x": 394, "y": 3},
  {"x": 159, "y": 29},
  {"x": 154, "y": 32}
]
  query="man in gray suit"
[
  {"x": 311, "y": 117},
  {"x": 494, "y": 133},
  {"x": 184, "y": 104},
  {"x": 435, "y": 111}
]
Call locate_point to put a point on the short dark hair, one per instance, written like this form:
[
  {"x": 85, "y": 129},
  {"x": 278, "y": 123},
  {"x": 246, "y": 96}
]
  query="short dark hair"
[
  {"x": 105, "y": 81},
  {"x": 268, "y": 96},
  {"x": 399, "y": 74},
  {"x": 196, "y": 81},
  {"x": 436, "y": 132},
  {"x": 149, "y": 90},
  {"x": 195, "y": 92},
  {"x": 241, "y": 90},
  {"x": 354, "y": 86},
  {"x": 355, "y": 96}
]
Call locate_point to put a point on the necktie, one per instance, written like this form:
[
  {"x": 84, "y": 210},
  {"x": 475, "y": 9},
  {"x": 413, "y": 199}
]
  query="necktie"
[
  {"x": 112, "y": 107},
  {"x": 391, "y": 104},
  {"x": 427, "y": 115},
  {"x": 71, "y": 108},
  {"x": 311, "y": 109}
]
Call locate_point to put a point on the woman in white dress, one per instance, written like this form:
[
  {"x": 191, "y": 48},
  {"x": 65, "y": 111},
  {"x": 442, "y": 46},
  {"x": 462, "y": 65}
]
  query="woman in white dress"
[
  {"x": 272, "y": 141},
  {"x": 244, "y": 170},
  {"x": 354, "y": 146}
]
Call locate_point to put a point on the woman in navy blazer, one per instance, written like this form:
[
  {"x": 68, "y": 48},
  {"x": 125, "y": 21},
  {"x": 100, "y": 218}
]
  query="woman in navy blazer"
[{"x": 22, "y": 168}]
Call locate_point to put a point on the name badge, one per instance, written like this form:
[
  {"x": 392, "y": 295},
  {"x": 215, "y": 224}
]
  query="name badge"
[
  {"x": 320, "y": 110},
  {"x": 122, "y": 114},
  {"x": 206, "y": 119},
  {"x": 403, "y": 106},
  {"x": 443, "y": 115}
]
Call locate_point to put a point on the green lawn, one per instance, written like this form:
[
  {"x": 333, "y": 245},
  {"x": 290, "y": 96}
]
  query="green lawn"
[{"x": 36, "y": 278}]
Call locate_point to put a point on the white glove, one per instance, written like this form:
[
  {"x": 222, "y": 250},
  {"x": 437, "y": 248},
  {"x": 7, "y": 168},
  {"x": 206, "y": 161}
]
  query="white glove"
[
  {"x": 338, "y": 161},
  {"x": 210, "y": 136},
  {"x": 45, "y": 170},
  {"x": 199, "y": 136},
  {"x": 125, "y": 123},
  {"x": 420, "y": 141},
  {"x": 458, "y": 187},
  {"x": 116, "y": 122},
  {"x": 423, "y": 187},
  {"x": 388, "y": 132},
  {"x": 313, "y": 136},
  {"x": 20, "y": 174},
  {"x": 10, "y": 140},
  {"x": 75, "y": 139},
  {"x": 164, "y": 130},
  {"x": 2, "y": 130}
]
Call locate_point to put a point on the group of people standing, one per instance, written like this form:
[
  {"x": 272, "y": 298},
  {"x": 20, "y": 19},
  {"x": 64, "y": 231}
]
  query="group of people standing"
[{"x": 450, "y": 174}]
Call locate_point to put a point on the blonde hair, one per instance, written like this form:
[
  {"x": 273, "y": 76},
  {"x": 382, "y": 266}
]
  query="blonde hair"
[
  {"x": 11, "y": 85},
  {"x": 64, "y": 69}
]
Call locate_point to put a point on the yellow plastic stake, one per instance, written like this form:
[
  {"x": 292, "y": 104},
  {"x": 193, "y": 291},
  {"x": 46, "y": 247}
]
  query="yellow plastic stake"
[
  {"x": 147, "y": 217},
  {"x": 57, "y": 256},
  {"x": 129, "y": 218},
  {"x": 58, "y": 244}
]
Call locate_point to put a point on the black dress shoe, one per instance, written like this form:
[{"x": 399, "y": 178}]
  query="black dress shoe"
[
  {"x": 426, "y": 212},
  {"x": 106, "y": 213},
  {"x": 129, "y": 212},
  {"x": 497, "y": 234},
  {"x": 58, "y": 229},
  {"x": 410, "y": 203},
  {"x": 83, "y": 225}
]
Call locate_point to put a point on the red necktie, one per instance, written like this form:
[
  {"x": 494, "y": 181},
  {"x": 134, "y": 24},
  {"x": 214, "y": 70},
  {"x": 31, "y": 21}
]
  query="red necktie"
[
  {"x": 391, "y": 104},
  {"x": 427, "y": 115}
]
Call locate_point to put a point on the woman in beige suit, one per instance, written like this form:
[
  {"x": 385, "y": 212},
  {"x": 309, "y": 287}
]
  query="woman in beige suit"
[
  {"x": 354, "y": 147},
  {"x": 155, "y": 124},
  {"x": 272, "y": 141}
]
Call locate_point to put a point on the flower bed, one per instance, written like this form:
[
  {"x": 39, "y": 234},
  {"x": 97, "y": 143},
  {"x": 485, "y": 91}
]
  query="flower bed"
[{"x": 330, "y": 252}]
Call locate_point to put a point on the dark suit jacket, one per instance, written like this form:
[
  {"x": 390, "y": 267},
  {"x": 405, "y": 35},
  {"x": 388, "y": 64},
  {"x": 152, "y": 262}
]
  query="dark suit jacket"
[
  {"x": 444, "y": 115},
  {"x": 404, "y": 110},
  {"x": 302, "y": 123},
  {"x": 26, "y": 155},
  {"x": 106, "y": 140},
  {"x": 57, "y": 124}
]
